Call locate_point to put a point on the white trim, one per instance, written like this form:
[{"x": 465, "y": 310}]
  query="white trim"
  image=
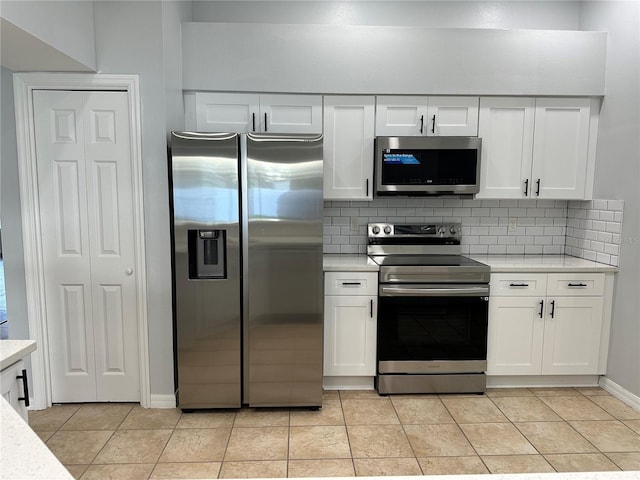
[
  {"x": 348, "y": 383},
  {"x": 512, "y": 381},
  {"x": 162, "y": 401},
  {"x": 24, "y": 84},
  {"x": 620, "y": 393}
]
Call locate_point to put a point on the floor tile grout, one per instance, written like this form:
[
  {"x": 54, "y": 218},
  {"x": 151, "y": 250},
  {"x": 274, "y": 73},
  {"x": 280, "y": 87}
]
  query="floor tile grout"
[{"x": 390, "y": 406}]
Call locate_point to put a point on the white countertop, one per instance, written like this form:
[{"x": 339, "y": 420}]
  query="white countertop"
[
  {"x": 541, "y": 263},
  {"x": 13, "y": 350},
  {"x": 348, "y": 263},
  {"x": 498, "y": 263},
  {"x": 23, "y": 455}
]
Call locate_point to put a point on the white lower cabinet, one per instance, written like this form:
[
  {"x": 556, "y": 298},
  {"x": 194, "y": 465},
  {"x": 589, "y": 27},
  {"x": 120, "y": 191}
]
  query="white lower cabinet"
[
  {"x": 546, "y": 324},
  {"x": 350, "y": 313},
  {"x": 13, "y": 387}
]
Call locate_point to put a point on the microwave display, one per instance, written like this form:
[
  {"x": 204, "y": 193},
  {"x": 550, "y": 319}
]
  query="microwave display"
[{"x": 429, "y": 167}]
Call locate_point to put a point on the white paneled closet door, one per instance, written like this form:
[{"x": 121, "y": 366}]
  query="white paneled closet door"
[{"x": 83, "y": 149}]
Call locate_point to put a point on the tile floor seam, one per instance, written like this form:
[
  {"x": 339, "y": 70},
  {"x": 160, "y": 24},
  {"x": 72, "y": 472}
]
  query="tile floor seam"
[
  {"x": 344, "y": 419},
  {"x": 588, "y": 456},
  {"x": 415, "y": 456}
]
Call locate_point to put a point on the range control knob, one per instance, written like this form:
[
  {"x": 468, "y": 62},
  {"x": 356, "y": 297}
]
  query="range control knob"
[
  {"x": 442, "y": 230},
  {"x": 375, "y": 230},
  {"x": 453, "y": 230},
  {"x": 387, "y": 229}
]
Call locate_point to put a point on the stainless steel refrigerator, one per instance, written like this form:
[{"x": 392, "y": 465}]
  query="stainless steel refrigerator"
[{"x": 247, "y": 267}]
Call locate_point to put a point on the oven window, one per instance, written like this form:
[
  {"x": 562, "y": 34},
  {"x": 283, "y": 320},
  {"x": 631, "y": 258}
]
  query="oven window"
[{"x": 432, "y": 328}]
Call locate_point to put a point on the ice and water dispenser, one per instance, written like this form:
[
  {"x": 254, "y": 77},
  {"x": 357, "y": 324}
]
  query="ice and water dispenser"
[{"x": 207, "y": 254}]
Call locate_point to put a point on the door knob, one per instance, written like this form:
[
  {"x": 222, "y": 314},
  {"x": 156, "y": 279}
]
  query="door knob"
[{"x": 129, "y": 271}]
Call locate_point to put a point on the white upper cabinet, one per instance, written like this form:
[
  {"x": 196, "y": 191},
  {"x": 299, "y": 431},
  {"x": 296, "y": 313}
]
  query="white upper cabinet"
[
  {"x": 506, "y": 129},
  {"x": 452, "y": 116},
  {"x": 431, "y": 116},
  {"x": 291, "y": 113},
  {"x": 535, "y": 148},
  {"x": 242, "y": 113},
  {"x": 227, "y": 112},
  {"x": 560, "y": 147},
  {"x": 348, "y": 147}
]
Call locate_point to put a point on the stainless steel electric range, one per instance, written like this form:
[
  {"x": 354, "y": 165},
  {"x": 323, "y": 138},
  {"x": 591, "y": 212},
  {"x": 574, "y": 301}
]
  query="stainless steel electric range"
[{"x": 432, "y": 312}]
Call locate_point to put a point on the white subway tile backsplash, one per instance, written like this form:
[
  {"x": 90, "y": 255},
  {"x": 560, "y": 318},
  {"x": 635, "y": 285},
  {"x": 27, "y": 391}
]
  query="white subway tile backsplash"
[
  {"x": 587, "y": 229},
  {"x": 595, "y": 230}
]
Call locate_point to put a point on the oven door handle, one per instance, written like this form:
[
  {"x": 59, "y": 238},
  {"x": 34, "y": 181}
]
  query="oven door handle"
[{"x": 433, "y": 291}]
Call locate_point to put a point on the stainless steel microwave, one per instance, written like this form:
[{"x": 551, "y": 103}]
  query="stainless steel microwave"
[{"x": 413, "y": 166}]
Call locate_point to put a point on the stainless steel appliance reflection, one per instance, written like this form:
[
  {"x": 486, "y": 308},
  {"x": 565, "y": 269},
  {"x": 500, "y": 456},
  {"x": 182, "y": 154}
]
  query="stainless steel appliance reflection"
[{"x": 247, "y": 267}]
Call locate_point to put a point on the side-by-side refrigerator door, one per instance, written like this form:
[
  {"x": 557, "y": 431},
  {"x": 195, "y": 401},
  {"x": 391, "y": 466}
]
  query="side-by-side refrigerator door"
[
  {"x": 284, "y": 271},
  {"x": 206, "y": 249}
]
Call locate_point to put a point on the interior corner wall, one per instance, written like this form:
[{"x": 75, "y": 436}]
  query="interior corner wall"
[
  {"x": 129, "y": 39},
  {"x": 10, "y": 211},
  {"x": 617, "y": 173}
]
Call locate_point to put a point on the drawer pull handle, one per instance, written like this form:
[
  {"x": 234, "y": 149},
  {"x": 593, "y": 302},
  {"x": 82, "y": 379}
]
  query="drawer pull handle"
[
  {"x": 576, "y": 285},
  {"x": 351, "y": 283},
  {"x": 25, "y": 386},
  {"x": 518, "y": 284}
]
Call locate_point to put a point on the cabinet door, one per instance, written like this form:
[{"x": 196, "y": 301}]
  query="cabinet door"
[
  {"x": 12, "y": 388},
  {"x": 401, "y": 116},
  {"x": 516, "y": 329},
  {"x": 350, "y": 335},
  {"x": 452, "y": 116},
  {"x": 291, "y": 113},
  {"x": 348, "y": 147},
  {"x": 572, "y": 335},
  {"x": 227, "y": 112},
  {"x": 506, "y": 129},
  {"x": 560, "y": 147}
]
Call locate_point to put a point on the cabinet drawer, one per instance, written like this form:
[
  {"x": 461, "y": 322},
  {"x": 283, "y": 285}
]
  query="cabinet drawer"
[
  {"x": 351, "y": 283},
  {"x": 575, "y": 284},
  {"x": 519, "y": 284}
]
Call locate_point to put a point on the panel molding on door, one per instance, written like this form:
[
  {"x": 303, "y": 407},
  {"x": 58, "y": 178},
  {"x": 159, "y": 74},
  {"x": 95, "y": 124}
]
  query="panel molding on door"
[
  {"x": 86, "y": 211},
  {"x": 34, "y": 240}
]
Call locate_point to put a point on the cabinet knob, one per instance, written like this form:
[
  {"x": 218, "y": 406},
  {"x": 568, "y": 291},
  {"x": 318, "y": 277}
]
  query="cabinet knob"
[{"x": 129, "y": 271}]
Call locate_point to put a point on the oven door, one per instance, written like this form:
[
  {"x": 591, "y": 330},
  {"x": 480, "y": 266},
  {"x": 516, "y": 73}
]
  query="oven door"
[{"x": 432, "y": 328}]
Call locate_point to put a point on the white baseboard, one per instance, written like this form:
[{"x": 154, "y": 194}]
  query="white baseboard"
[
  {"x": 162, "y": 401},
  {"x": 348, "y": 383},
  {"x": 620, "y": 393},
  {"x": 514, "y": 381}
]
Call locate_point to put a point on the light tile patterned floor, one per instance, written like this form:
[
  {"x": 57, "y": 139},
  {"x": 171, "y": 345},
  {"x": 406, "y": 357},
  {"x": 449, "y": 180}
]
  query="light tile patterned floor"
[{"x": 354, "y": 434}]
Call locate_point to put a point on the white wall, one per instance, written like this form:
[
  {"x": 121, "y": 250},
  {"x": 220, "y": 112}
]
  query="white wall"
[
  {"x": 67, "y": 26},
  {"x": 130, "y": 39},
  {"x": 357, "y": 59},
  {"x": 618, "y": 173},
  {"x": 461, "y": 14}
]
